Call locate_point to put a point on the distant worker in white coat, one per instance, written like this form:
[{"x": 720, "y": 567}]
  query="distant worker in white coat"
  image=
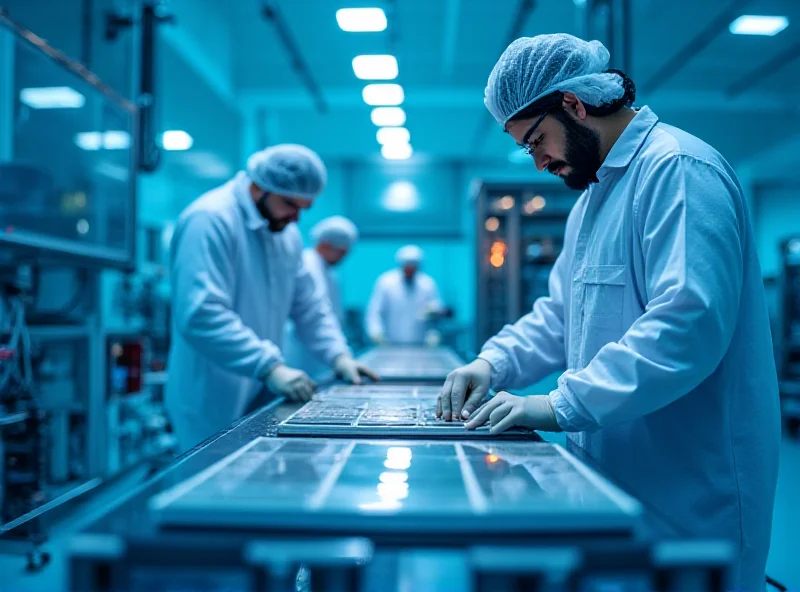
[
  {"x": 333, "y": 238},
  {"x": 656, "y": 314},
  {"x": 237, "y": 275},
  {"x": 403, "y": 302}
]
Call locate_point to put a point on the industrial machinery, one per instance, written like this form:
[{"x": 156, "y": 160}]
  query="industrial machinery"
[
  {"x": 137, "y": 420},
  {"x": 789, "y": 337},
  {"x": 520, "y": 235},
  {"x": 342, "y": 506},
  {"x": 68, "y": 226},
  {"x": 64, "y": 220},
  {"x": 318, "y": 485},
  {"x": 382, "y": 410},
  {"x": 22, "y": 460},
  {"x": 251, "y": 512}
]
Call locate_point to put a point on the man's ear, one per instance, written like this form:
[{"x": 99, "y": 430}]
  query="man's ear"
[{"x": 574, "y": 106}]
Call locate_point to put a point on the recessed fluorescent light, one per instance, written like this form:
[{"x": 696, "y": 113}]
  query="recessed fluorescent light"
[
  {"x": 754, "y": 24},
  {"x": 110, "y": 140},
  {"x": 176, "y": 140},
  {"x": 396, "y": 151},
  {"x": 116, "y": 140},
  {"x": 383, "y": 94},
  {"x": 89, "y": 140},
  {"x": 401, "y": 196},
  {"x": 388, "y": 116},
  {"x": 375, "y": 67},
  {"x": 52, "y": 97},
  {"x": 360, "y": 20},
  {"x": 393, "y": 135}
]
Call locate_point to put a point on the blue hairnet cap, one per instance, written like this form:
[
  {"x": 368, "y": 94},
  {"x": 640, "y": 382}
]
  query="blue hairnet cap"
[
  {"x": 409, "y": 255},
  {"x": 336, "y": 230},
  {"x": 288, "y": 169},
  {"x": 533, "y": 67}
]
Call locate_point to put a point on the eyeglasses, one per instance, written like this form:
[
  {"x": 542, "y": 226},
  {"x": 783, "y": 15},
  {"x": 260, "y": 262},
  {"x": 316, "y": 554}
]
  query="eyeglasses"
[
  {"x": 526, "y": 146},
  {"x": 291, "y": 204},
  {"x": 287, "y": 201}
]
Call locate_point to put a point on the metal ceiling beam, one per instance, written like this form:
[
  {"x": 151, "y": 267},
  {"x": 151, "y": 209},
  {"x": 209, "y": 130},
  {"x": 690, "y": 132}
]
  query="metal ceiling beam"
[
  {"x": 694, "y": 47},
  {"x": 452, "y": 13},
  {"x": 524, "y": 10},
  {"x": 271, "y": 12},
  {"x": 189, "y": 48},
  {"x": 766, "y": 70}
]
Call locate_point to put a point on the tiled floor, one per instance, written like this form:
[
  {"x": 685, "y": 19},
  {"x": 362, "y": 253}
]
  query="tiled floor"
[{"x": 784, "y": 560}]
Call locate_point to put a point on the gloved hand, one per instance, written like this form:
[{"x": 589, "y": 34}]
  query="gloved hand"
[
  {"x": 432, "y": 338},
  {"x": 464, "y": 390},
  {"x": 352, "y": 371},
  {"x": 429, "y": 311},
  {"x": 378, "y": 338},
  {"x": 290, "y": 383},
  {"x": 506, "y": 410}
]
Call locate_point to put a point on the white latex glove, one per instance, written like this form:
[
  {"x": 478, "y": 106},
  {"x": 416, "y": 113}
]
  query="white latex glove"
[
  {"x": 464, "y": 390},
  {"x": 432, "y": 338},
  {"x": 506, "y": 410},
  {"x": 352, "y": 371},
  {"x": 378, "y": 338},
  {"x": 290, "y": 383}
]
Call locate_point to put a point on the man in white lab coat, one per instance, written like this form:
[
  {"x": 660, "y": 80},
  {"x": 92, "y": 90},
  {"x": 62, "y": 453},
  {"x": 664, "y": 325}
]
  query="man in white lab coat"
[
  {"x": 656, "y": 312},
  {"x": 333, "y": 239},
  {"x": 237, "y": 274},
  {"x": 402, "y": 303}
]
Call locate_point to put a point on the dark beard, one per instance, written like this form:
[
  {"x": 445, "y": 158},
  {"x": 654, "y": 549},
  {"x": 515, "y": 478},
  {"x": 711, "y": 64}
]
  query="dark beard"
[
  {"x": 582, "y": 153},
  {"x": 275, "y": 224},
  {"x": 278, "y": 225}
]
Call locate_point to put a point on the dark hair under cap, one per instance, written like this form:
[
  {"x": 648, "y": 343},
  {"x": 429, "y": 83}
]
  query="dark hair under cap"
[{"x": 553, "y": 101}]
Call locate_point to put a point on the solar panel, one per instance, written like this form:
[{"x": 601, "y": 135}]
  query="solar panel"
[
  {"x": 395, "y": 411},
  {"x": 338, "y": 485},
  {"x": 412, "y": 363}
]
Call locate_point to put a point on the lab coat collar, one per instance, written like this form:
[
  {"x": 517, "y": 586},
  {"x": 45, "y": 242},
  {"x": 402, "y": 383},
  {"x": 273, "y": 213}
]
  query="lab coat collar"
[
  {"x": 631, "y": 139},
  {"x": 241, "y": 188}
]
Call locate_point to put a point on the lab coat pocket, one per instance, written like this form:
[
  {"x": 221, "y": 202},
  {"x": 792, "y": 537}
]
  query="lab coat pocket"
[{"x": 604, "y": 293}]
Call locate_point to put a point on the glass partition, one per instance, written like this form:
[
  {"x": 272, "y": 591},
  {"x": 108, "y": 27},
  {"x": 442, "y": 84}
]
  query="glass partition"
[{"x": 67, "y": 170}]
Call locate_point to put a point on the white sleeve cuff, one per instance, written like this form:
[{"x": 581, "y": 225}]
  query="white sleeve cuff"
[
  {"x": 566, "y": 407},
  {"x": 499, "y": 363}
]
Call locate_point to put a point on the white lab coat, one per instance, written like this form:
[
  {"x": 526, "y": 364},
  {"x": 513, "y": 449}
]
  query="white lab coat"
[
  {"x": 397, "y": 310},
  {"x": 295, "y": 352},
  {"x": 234, "y": 284},
  {"x": 657, "y": 311}
]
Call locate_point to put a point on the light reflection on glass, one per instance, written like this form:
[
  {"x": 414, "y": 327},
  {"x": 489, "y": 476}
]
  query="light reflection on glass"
[
  {"x": 393, "y": 491},
  {"x": 393, "y": 477},
  {"x": 399, "y": 453},
  {"x": 397, "y": 464},
  {"x": 384, "y": 505}
]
